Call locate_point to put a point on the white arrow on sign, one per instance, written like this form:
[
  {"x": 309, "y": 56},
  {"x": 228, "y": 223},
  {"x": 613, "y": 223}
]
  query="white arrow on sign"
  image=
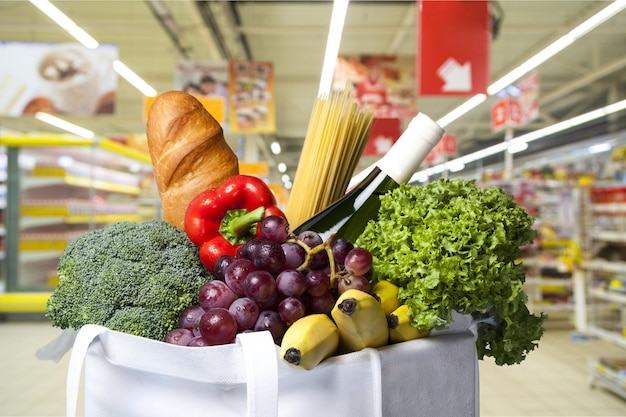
[{"x": 457, "y": 77}]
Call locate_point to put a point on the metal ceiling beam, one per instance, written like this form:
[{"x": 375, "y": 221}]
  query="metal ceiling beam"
[
  {"x": 161, "y": 13},
  {"x": 590, "y": 77}
]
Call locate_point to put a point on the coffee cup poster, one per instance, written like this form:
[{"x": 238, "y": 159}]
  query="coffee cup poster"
[{"x": 57, "y": 78}]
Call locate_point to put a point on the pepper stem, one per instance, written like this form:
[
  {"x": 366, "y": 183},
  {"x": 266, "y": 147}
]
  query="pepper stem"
[{"x": 239, "y": 226}]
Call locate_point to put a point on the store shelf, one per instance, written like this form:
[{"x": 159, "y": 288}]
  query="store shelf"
[
  {"x": 62, "y": 187},
  {"x": 609, "y": 236},
  {"x": 612, "y": 381},
  {"x": 24, "y": 302},
  {"x": 605, "y": 266}
]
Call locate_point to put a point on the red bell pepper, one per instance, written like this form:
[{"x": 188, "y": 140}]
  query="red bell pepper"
[{"x": 221, "y": 219}]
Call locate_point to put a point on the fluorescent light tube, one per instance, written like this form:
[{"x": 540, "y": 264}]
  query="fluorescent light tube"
[
  {"x": 337, "y": 20},
  {"x": 543, "y": 55},
  {"x": 133, "y": 78},
  {"x": 461, "y": 110},
  {"x": 66, "y": 23},
  {"x": 599, "y": 148},
  {"x": 517, "y": 146},
  {"x": 65, "y": 125},
  {"x": 528, "y": 137}
]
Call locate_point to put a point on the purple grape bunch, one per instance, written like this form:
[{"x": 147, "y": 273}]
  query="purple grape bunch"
[{"x": 273, "y": 281}]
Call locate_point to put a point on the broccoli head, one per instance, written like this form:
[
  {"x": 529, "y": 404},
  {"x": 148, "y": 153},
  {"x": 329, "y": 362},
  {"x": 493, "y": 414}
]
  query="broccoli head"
[{"x": 130, "y": 277}]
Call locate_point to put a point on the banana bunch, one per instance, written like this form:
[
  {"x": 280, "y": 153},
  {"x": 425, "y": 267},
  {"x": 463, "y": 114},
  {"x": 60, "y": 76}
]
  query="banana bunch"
[{"x": 359, "y": 320}]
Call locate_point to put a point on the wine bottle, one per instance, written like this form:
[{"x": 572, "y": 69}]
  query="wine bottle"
[{"x": 348, "y": 216}]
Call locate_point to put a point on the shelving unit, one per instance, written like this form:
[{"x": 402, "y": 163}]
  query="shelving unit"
[
  {"x": 57, "y": 188},
  {"x": 549, "y": 262},
  {"x": 601, "y": 280}
]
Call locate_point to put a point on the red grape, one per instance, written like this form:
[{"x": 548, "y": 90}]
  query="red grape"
[
  {"x": 236, "y": 273},
  {"x": 290, "y": 310},
  {"x": 268, "y": 256},
  {"x": 221, "y": 264},
  {"x": 271, "y": 303},
  {"x": 198, "y": 341},
  {"x": 274, "y": 228},
  {"x": 358, "y": 261},
  {"x": 319, "y": 260},
  {"x": 294, "y": 255},
  {"x": 270, "y": 320},
  {"x": 245, "y": 251},
  {"x": 310, "y": 238},
  {"x": 358, "y": 282},
  {"x": 290, "y": 283},
  {"x": 317, "y": 282},
  {"x": 259, "y": 285},
  {"x": 215, "y": 294},
  {"x": 340, "y": 248},
  {"x": 323, "y": 303},
  {"x": 245, "y": 311},
  {"x": 180, "y": 337},
  {"x": 189, "y": 316},
  {"x": 218, "y": 326}
]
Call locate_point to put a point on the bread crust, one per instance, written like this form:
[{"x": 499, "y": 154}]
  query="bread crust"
[{"x": 188, "y": 150}]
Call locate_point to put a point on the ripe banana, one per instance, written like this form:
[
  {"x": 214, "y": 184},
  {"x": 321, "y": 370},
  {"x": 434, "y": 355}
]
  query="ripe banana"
[
  {"x": 400, "y": 328},
  {"x": 309, "y": 340},
  {"x": 387, "y": 294},
  {"x": 361, "y": 321}
]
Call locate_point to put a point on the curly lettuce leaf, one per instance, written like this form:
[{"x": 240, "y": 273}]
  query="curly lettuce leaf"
[{"x": 453, "y": 246}]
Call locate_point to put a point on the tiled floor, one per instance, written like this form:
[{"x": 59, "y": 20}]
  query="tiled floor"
[{"x": 553, "y": 381}]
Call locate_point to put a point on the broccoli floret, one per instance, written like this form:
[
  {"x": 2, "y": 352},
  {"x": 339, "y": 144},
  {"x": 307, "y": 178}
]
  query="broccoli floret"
[{"x": 130, "y": 277}]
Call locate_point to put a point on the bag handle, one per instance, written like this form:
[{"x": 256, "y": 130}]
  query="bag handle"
[
  {"x": 84, "y": 338},
  {"x": 259, "y": 355},
  {"x": 260, "y": 358}
]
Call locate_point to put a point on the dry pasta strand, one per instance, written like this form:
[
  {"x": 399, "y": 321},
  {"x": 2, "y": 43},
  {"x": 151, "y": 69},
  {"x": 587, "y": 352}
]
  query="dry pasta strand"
[{"x": 336, "y": 136}]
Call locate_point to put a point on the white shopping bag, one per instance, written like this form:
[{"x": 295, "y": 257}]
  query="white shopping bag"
[{"x": 131, "y": 376}]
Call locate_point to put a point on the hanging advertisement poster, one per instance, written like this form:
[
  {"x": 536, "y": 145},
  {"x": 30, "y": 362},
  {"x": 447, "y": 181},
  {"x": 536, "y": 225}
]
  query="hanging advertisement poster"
[
  {"x": 208, "y": 82},
  {"x": 251, "y": 106},
  {"x": 519, "y": 104},
  {"x": 57, "y": 78},
  {"x": 529, "y": 97},
  {"x": 383, "y": 83}
]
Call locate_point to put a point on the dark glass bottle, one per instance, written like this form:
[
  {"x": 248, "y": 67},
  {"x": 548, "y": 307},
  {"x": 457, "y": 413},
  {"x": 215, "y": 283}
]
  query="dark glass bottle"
[{"x": 349, "y": 215}]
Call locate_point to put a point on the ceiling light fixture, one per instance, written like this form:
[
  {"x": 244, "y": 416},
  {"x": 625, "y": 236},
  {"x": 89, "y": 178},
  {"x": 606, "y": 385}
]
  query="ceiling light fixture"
[
  {"x": 528, "y": 137},
  {"x": 461, "y": 110},
  {"x": 275, "y": 147},
  {"x": 337, "y": 20},
  {"x": 539, "y": 58},
  {"x": 281, "y": 167},
  {"x": 65, "y": 125},
  {"x": 134, "y": 79},
  {"x": 66, "y": 23}
]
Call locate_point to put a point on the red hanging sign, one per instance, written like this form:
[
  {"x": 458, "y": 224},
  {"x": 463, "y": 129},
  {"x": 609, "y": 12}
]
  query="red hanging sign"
[
  {"x": 383, "y": 135},
  {"x": 454, "y": 40}
]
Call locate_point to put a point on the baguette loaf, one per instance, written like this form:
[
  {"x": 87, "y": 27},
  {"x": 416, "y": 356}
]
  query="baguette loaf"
[{"x": 188, "y": 150}]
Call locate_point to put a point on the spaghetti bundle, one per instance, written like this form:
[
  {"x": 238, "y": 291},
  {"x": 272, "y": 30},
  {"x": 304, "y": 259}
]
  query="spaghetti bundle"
[{"x": 336, "y": 136}]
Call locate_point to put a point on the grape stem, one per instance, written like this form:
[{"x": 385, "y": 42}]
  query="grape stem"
[{"x": 311, "y": 252}]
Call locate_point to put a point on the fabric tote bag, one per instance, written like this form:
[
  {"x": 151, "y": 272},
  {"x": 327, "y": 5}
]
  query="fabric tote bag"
[{"x": 130, "y": 376}]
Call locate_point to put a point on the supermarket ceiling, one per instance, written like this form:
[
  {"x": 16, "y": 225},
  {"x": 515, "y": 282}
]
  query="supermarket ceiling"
[{"x": 152, "y": 35}]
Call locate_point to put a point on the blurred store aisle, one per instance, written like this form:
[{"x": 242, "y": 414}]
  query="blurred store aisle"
[{"x": 553, "y": 381}]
